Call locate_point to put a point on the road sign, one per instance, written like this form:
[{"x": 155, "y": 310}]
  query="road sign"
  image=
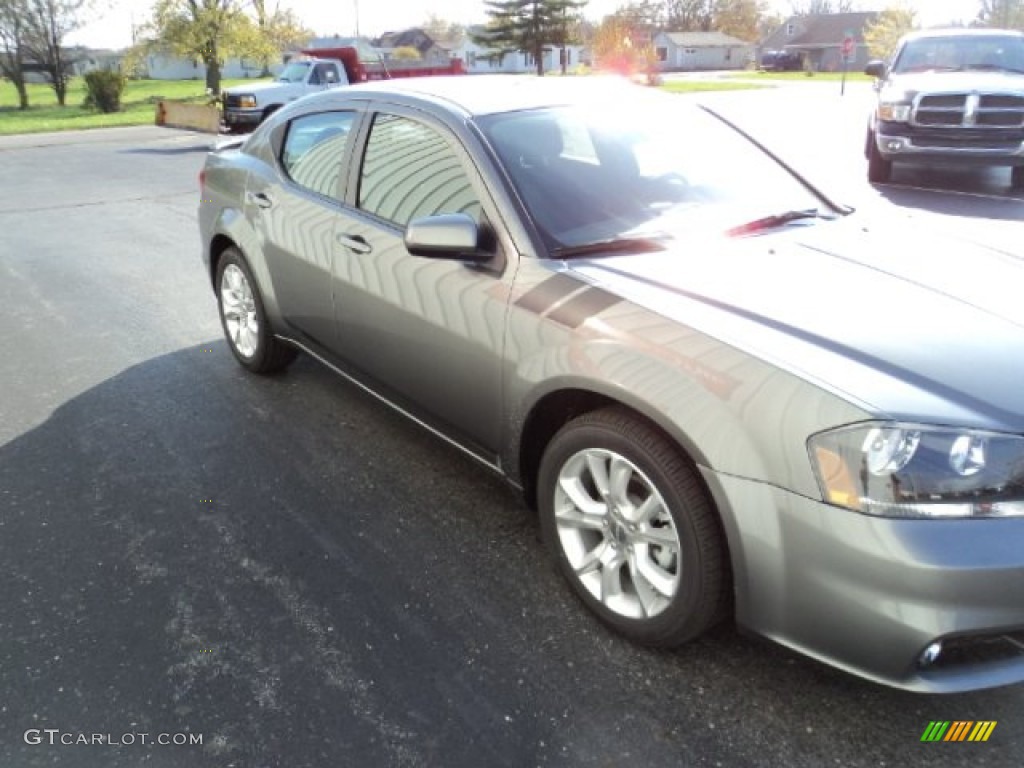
[{"x": 847, "y": 46}]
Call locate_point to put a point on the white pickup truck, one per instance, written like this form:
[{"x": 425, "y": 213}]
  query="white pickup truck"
[{"x": 246, "y": 106}]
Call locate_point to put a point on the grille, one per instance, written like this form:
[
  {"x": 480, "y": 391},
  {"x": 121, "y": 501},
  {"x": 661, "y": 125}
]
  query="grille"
[{"x": 983, "y": 110}]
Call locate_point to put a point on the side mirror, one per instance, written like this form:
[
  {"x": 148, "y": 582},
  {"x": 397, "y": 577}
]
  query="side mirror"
[
  {"x": 445, "y": 236},
  {"x": 875, "y": 68}
]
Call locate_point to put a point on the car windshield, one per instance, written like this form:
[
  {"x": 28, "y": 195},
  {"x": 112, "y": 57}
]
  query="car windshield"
[
  {"x": 295, "y": 72},
  {"x": 961, "y": 53},
  {"x": 654, "y": 166}
]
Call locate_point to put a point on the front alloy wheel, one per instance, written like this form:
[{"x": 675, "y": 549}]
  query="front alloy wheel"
[
  {"x": 627, "y": 519},
  {"x": 616, "y": 533}
]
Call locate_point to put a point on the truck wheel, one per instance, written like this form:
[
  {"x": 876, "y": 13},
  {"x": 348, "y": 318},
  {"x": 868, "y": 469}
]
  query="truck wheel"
[
  {"x": 1017, "y": 177},
  {"x": 632, "y": 529},
  {"x": 879, "y": 169}
]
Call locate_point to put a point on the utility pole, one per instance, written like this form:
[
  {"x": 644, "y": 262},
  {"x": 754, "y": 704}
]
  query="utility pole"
[{"x": 356, "y": 4}]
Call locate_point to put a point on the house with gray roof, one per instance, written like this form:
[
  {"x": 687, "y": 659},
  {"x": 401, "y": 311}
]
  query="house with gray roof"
[
  {"x": 818, "y": 39},
  {"x": 688, "y": 51}
]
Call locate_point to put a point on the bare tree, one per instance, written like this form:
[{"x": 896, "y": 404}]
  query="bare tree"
[
  {"x": 48, "y": 23},
  {"x": 442, "y": 30},
  {"x": 814, "y": 7},
  {"x": 13, "y": 46},
  {"x": 738, "y": 18},
  {"x": 689, "y": 15},
  {"x": 1008, "y": 14}
]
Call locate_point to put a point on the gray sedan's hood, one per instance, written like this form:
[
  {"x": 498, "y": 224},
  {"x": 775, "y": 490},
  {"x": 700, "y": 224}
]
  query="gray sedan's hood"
[{"x": 903, "y": 324}]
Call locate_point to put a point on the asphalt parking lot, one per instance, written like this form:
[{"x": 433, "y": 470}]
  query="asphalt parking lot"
[{"x": 291, "y": 572}]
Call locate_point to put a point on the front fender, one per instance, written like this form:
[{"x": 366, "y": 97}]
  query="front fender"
[{"x": 731, "y": 412}]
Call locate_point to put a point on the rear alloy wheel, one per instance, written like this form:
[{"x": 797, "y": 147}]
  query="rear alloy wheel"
[
  {"x": 879, "y": 169},
  {"x": 1017, "y": 177},
  {"x": 244, "y": 320},
  {"x": 630, "y": 525}
]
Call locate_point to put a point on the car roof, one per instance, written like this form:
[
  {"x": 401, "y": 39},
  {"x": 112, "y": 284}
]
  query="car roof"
[{"x": 489, "y": 94}]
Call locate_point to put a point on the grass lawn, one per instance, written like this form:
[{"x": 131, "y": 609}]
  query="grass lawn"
[
  {"x": 140, "y": 96},
  {"x": 851, "y": 76},
  {"x": 137, "y": 105},
  {"x": 696, "y": 86}
]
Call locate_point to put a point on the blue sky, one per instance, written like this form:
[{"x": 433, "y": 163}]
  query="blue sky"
[{"x": 328, "y": 17}]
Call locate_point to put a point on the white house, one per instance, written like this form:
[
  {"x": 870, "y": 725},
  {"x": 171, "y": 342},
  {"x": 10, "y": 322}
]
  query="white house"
[
  {"x": 163, "y": 67},
  {"x": 480, "y": 59},
  {"x": 701, "y": 51}
]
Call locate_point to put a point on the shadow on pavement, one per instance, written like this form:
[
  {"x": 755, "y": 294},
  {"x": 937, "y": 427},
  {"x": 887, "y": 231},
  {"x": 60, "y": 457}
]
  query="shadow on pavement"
[
  {"x": 168, "y": 150},
  {"x": 293, "y": 571},
  {"x": 976, "y": 193}
]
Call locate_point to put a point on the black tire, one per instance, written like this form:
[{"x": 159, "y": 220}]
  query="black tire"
[
  {"x": 244, "y": 320},
  {"x": 629, "y": 601},
  {"x": 879, "y": 169},
  {"x": 1017, "y": 177}
]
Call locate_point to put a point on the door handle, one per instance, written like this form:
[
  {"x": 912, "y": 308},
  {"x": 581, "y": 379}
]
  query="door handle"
[
  {"x": 355, "y": 243},
  {"x": 261, "y": 199}
]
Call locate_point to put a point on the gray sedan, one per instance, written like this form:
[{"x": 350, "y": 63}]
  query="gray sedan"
[{"x": 726, "y": 395}]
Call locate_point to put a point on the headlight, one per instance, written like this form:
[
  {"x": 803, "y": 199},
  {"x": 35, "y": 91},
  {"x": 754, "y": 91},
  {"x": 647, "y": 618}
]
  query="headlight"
[
  {"x": 894, "y": 111},
  {"x": 912, "y": 470},
  {"x": 247, "y": 102}
]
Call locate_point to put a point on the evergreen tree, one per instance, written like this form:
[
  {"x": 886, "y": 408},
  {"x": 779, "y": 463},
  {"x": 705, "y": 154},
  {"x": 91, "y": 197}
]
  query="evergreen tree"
[{"x": 529, "y": 26}]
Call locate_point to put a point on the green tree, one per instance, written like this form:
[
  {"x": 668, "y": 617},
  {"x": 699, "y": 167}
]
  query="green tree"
[
  {"x": 528, "y": 26},
  {"x": 406, "y": 53},
  {"x": 882, "y": 34},
  {"x": 279, "y": 30},
  {"x": 206, "y": 30},
  {"x": 14, "y": 46},
  {"x": 1005, "y": 14}
]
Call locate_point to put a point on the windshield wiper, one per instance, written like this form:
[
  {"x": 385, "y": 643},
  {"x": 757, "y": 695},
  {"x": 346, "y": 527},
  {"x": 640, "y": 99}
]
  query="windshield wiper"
[
  {"x": 776, "y": 220},
  {"x": 610, "y": 246}
]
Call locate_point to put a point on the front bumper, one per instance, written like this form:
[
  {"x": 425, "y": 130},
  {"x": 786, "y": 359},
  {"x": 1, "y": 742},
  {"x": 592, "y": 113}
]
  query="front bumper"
[
  {"x": 870, "y": 595},
  {"x": 978, "y": 147},
  {"x": 234, "y": 117}
]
